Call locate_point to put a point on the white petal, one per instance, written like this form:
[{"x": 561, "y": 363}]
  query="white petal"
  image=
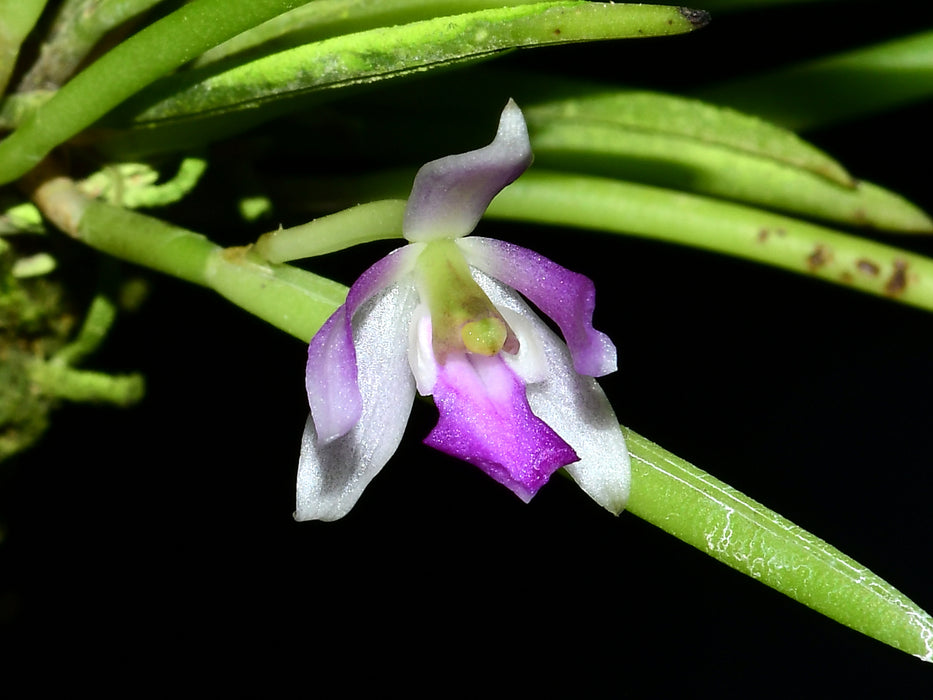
[
  {"x": 575, "y": 407},
  {"x": 530, "y": 362},
  {"x": 421, "y": 351},
  {"x": 332, "y": 477},
  {"x": 331, "y": 375},
  {"x": 450, "y": 194}
]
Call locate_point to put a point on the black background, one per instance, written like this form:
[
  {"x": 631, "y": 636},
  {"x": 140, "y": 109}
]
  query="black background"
[{"x": 159, "y": 540}]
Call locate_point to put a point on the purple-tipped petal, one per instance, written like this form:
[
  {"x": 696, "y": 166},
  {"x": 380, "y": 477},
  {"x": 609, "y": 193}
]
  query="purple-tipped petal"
[
  {"x": 333, "y": 474},
  {"x": 566, "y": 296},
  {"x": 485, "y": 420},
  {"x": 450, "y": 195},
  {"x": 331, "y": 377},
  {"x": 574, "y": 406}
]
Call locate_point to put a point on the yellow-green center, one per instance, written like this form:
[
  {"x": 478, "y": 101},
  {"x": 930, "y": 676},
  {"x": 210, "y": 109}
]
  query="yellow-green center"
[
  {"x": 485, "y": 336},
  {"x": 462, "y": 316}
]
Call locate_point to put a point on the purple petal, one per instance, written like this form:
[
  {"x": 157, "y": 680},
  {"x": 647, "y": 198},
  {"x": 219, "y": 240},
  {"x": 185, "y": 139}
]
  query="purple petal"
[
  {"x": 567, "y": 297},
  {"x": 485, "y": 420},
  {"x": 450, "y": 195},
  {"x": 331, "y": 377},
  {"x": 572, "y": 404},
  {"x": 333, "y": 475}
]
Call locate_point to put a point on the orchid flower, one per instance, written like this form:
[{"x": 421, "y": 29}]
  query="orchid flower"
[{"x": 441, "y": 316}]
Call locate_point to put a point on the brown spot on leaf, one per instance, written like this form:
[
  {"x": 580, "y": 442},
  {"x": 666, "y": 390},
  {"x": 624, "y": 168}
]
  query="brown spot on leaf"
[
  {"x": 867, "y": 267},
  {"x": 557, "y": 31},
  {"x": 764, "y": 233},
  {"x": 897, "y": 283},
  {"x": 820, "y": 256}
]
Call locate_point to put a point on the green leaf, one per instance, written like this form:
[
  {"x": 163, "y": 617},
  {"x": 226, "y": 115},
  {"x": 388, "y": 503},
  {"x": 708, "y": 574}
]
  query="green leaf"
[
  {"x": 690, "y": 145},
  {"x": 183, "y": 101},
  {"x": 120, "y": 73},
  {"x": 614, "y": 206},
  {"x": 289, "y": 298},
  {"x": 702, "y": 511},
  {"x": 18, "y": 107},
  {"x": 836, "y": 88},
  {"x": 694, "y": 165},
  {"x": 598, "y": 129},
  {"x": 324, "y": 19},
  {"x": 19, "y": 17},
  {"x": 79, "y": 26},
  {"x": 629, "y": 113}
]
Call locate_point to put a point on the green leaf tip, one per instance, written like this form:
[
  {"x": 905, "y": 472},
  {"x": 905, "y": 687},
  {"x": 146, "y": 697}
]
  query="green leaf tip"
[{"x": 707, "y": 514}]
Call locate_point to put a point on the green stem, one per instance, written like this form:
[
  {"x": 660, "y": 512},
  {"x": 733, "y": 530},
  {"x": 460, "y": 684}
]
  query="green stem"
[
  {"x": 732, "y": 528},
  {"x": 621, "y": 207},
  {"x": 291, "y": 299},
  {"x": 363, "y": 223}
]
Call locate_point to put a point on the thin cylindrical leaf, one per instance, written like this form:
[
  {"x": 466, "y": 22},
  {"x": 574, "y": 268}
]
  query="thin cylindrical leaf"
[
  {"x": 695, "y": 165},
  {"x": 291, "y": 299},
  {"x": 614, "y": 206},
  {"x": 602, "y": 107},
  {"x": 78, "y": 27},
  {"x": 141, "y": 59},
  {"x": 836, "y": 88},
  {"x": 185, "y": 100},
  {"x": 19, "y": 17},
  {"x": 323, "y": 19},
  {"x": 702, "y": 511}
]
